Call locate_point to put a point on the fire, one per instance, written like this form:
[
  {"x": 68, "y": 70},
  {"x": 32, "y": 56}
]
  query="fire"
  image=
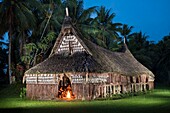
[{"x": 68, "y": 94}]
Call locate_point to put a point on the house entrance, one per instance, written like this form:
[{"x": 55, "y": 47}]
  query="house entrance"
[{"x": 65, "y": 90}]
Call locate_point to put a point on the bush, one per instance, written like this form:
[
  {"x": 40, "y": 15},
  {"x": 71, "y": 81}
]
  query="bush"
[{"x": 22, "y": 92}]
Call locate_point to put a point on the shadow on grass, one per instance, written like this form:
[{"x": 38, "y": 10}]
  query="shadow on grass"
[{"x": 92, "y": 107}]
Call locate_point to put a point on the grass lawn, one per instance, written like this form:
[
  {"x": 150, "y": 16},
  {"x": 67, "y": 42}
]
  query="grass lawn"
[{"x": 157, "y": 101}]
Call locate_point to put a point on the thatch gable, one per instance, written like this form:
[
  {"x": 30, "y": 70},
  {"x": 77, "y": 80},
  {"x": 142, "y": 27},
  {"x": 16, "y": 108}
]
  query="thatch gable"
[{"x": 67, "y": 30}]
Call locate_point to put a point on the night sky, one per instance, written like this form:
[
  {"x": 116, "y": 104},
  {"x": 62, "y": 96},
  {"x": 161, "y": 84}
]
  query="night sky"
[{"x": 152, "y": 17}]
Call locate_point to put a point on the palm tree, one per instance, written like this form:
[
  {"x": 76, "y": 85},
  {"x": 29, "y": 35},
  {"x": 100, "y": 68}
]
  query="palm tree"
[
  {"x": 126, "y": 32},
  {"x": 15, "y": 15},
  {"x": 106, "y": 29},
  {"x": 81, "y": 18},
  {"x": 52, "y": 16},
  {"x": 49, "y": 20}
]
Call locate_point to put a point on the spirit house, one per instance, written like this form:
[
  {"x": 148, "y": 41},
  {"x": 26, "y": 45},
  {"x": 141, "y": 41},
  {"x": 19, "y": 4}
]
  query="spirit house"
[{"x": 79, "y": 69}]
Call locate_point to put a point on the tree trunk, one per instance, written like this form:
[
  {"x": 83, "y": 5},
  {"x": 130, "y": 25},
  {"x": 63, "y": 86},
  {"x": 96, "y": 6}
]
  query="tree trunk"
[
  {"x": 46, "y": 24},
  {"x": 22, "y": 42},
  {"x": 9, "y": 56},
  {"x": 168, "y": 77},
  {"x": 10, "y": 44}
]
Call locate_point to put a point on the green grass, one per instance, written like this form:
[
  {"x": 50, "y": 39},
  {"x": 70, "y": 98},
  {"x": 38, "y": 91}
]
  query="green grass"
[{"x": 157, "y": 101}]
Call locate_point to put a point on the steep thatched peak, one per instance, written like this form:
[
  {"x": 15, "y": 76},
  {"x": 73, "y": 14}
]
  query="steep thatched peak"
[{"x": 69, "y": 40}]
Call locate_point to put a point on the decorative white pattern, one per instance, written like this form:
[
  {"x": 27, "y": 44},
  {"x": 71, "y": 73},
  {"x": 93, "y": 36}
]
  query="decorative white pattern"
[
  {"x": 70, "y": 44},
  {"x": 42, "y": 79},
  {"x": 54, "y": 79}
]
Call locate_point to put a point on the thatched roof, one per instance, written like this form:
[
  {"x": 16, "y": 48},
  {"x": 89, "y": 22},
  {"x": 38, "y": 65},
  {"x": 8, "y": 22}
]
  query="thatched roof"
[
  {"x": 67, "y": 25},
  {"x": 96, "y": 59}
]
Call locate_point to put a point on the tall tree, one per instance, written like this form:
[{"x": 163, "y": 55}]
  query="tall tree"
[
  {"x": 81, "y": 18},
  {"x": 51, "y": 17},
  {"x": 126, "y": 32},
  {"x": 14, "y": 14},
  {"x": 49, "y": 20},
  {"x": 107, "y": 31}
]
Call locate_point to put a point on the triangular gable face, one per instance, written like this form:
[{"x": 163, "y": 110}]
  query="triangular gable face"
[
  {"x": 69, "y": 44},
  {"x": 69, "y": 41}
]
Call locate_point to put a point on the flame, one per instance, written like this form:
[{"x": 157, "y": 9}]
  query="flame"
[{"x": 68, "y": 94}]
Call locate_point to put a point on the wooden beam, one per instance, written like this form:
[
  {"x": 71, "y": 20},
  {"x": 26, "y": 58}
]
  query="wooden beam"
[{"x": 67, "y": 14}]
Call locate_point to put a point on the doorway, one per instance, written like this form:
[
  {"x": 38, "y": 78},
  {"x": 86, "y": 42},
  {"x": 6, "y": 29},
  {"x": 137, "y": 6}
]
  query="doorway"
[{"x": 64, "y": 87}]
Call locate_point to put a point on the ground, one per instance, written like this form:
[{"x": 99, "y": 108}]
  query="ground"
[{"x": 156, "y": 101}]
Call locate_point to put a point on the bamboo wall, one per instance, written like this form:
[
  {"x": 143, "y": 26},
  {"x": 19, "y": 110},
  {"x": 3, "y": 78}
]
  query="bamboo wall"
[
  {"x": 42, "y": 91},
  {"x": 86, "y": 88}
]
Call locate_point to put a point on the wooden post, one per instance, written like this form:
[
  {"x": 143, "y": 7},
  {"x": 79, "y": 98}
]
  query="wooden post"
[
  {"x": 140, "y": 86},
  {"x": 132, "y": 89},
  {"x": 99, "y": 90},
  {"x": 122, "y": 88},
  {"x": 128, "y": 88},
  {"x": 56, "y": 90},
  {"x": 135, "y": 87},
  {"x": 104, "y": 90},
  {"x": 86, "y": 76},
  {"x": 119, "y": 89},
  {"x": 111, "y": 91},
  {"x": 83, "y": 98},
  {"x": 144, "y": 86},
  {"x": 114, "y": 89},
  {"x": 37, "y": 78}
]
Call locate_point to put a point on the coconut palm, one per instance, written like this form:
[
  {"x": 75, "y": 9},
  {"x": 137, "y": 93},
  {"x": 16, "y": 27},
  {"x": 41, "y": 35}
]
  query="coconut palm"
[
  {"x": 49, "y": 20},
  {"x": 81, "y": 18},
  {"x": 15, "y": 15},
  {"x": 106, "y": 30},
  {"x": 126, "y": 32}
]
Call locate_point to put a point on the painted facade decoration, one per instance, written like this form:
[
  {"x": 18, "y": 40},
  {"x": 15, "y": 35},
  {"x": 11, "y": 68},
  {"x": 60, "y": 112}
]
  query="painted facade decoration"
[{"x": 70, "y": 44}]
